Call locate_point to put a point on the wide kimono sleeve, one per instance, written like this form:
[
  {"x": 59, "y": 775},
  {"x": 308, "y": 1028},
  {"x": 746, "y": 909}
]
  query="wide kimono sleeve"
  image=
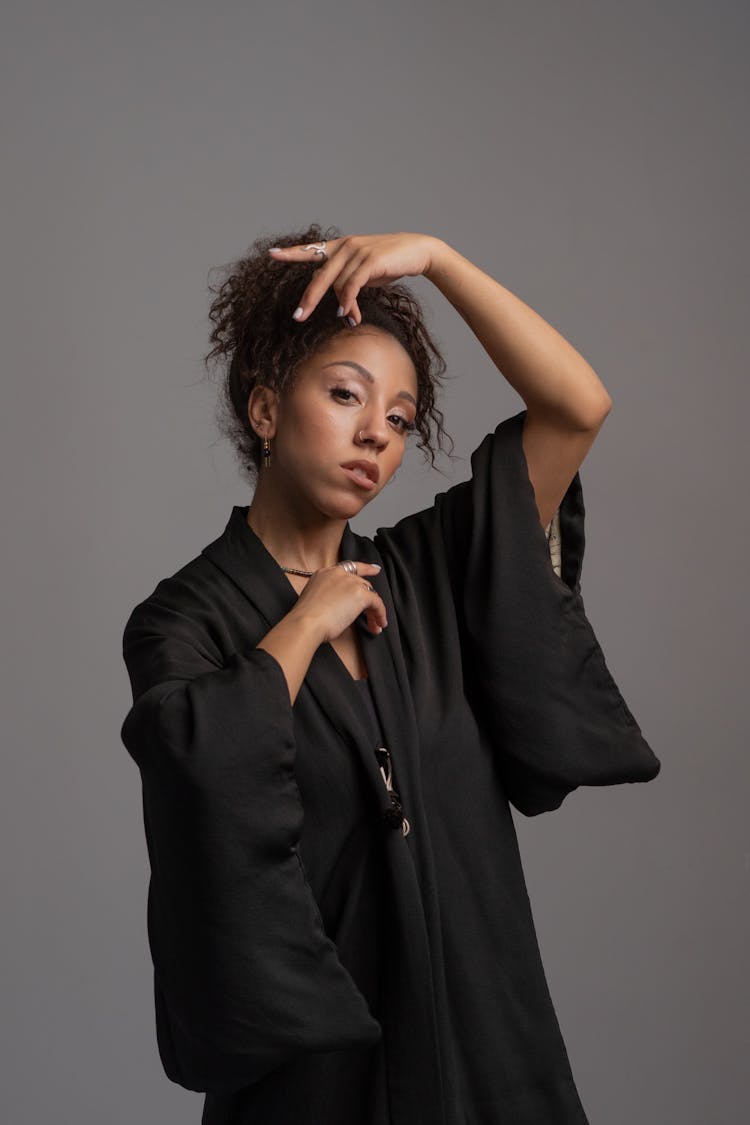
[
  {"x": 245, "y": 977},
  {"x": 533, "y": 667}
]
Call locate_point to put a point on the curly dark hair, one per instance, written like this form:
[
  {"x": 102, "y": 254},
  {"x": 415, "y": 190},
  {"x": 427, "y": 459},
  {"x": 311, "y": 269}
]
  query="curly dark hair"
[{"x": 255, "y": 340}]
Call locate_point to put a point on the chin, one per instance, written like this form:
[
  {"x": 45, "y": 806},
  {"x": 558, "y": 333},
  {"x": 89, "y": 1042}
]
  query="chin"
[
  {"x": 347, "y": 511},
  {"x": 347, "y": 507}
]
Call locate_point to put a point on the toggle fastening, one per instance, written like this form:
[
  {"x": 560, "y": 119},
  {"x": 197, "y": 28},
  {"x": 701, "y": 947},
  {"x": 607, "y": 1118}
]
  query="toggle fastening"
[{"x": 393, "y": 816}]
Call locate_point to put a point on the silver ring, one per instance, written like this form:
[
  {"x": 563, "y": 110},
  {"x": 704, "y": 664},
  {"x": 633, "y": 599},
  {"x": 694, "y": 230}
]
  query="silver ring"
[
  {"x": 349, "y": 566},
  {"x": 368, "y": 586},
  {"x": 319, "y": 248}
]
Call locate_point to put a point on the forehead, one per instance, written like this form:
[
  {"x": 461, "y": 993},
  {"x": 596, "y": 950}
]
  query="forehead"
[{"x": 373, "y": 350}]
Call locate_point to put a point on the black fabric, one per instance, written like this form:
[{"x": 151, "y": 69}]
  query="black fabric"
[
  {"x": 369, "y": 704},
  {"x": 312, "y": 963}
]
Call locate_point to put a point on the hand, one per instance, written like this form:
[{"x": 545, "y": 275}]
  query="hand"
[
  {"x": 360, "y": 261},
  {"x": 333, "y": 598}
]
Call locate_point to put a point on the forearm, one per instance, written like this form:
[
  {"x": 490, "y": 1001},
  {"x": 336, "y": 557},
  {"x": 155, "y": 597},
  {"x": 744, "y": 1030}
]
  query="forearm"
[
  {"x": 293, "y": 643},
  {"x": 540, "y": 364}
]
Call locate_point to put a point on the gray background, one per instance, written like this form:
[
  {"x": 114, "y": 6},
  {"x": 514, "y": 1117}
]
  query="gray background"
[{"x": 591, "y": 157}]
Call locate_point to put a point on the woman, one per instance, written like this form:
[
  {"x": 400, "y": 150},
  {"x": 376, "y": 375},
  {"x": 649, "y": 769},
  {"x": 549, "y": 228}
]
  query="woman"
[{"x": 330, "y": 727}]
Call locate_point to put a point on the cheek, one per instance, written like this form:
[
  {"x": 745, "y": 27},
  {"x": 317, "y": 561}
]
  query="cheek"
[
  {"x": 323, "y": 426},
  {"x": 310, "y": 421},
  {"x": 312, "y": 434}
]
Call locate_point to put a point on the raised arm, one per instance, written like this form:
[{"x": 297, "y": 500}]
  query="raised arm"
[{"x": 566, "y": 402}]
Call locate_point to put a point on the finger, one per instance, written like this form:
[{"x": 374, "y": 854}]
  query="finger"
[
  {"x": 377, "y": 609},
  {"x": 355, "y": 316},
  {"x": 304, "y": 251},
  {"x": 322, "y": 280},
  {"x": 363, "y": 567},
  {"x": 347, "y": 272},
  {"x": 350, "y": 280},
  {"x": 376, "y": 622},
  {"x": 370, "y": 622}
]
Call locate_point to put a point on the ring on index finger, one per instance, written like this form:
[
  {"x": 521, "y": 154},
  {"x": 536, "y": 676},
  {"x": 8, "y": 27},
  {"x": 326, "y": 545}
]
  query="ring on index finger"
[
  {"x": 349, "y": 566},
  {"x": 319, "y": 248}
]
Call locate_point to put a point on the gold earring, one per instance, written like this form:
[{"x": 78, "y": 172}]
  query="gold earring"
[{"x": 266, "y": 452}]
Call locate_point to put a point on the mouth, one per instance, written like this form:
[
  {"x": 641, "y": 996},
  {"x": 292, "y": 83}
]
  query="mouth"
[{"x": 365, "y": 473}]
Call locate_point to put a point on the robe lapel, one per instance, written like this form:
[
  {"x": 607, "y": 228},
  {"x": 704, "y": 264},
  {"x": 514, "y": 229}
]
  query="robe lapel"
[
  {"x": 243, "y": 557},
  {"x": 418, "y": 1064}
]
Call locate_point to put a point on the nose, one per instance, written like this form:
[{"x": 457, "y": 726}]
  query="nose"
[{"x": 374, "y": 433}]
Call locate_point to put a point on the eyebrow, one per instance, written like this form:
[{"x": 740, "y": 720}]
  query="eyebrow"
[{"x": 367, "y": 374}]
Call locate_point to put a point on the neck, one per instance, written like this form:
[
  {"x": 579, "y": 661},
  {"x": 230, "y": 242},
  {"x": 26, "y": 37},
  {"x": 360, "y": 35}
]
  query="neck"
[{"x": 303, "y": 540}]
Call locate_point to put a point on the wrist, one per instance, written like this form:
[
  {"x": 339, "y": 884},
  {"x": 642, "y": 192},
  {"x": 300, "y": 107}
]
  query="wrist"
[
  {"x": 442, "y": 255},
  {"x": 307, "y": 625}
]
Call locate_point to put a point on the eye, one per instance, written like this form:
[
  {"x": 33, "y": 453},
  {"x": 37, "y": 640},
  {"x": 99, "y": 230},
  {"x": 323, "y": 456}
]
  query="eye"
[
  {"x": 342, "y": 390},
  {"x": 407, "y": 427}
]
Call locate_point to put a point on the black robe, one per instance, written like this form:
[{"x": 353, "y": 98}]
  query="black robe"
[{"x": 315, "y": 963}]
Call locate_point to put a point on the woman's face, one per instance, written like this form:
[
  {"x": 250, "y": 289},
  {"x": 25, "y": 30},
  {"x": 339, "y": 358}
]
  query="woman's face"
[{"x": 361, "y": 380}]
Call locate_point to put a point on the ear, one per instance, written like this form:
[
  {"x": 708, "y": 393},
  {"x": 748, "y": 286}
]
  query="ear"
[{"x": 262, "y": 410}]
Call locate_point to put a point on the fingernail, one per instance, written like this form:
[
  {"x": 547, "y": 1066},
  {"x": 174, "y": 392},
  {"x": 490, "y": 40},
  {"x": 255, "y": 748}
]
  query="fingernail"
[
  {"x": 378, "y": 629},
  {"x": 340, "y": 310},
  {"x": 272, "y": 248},
  {"x": 352, "y": 322},
  {"x": 297, "y": 314},
  {"x": 377, "y": 566}
]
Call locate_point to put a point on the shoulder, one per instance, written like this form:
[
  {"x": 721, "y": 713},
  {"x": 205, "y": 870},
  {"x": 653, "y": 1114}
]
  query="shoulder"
[
  {"x": 187, "y": 585},
  {"x": 185, "y": 602}
]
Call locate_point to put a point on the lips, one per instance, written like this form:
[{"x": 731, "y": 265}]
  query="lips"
[{"x": 369, "y": 467}]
